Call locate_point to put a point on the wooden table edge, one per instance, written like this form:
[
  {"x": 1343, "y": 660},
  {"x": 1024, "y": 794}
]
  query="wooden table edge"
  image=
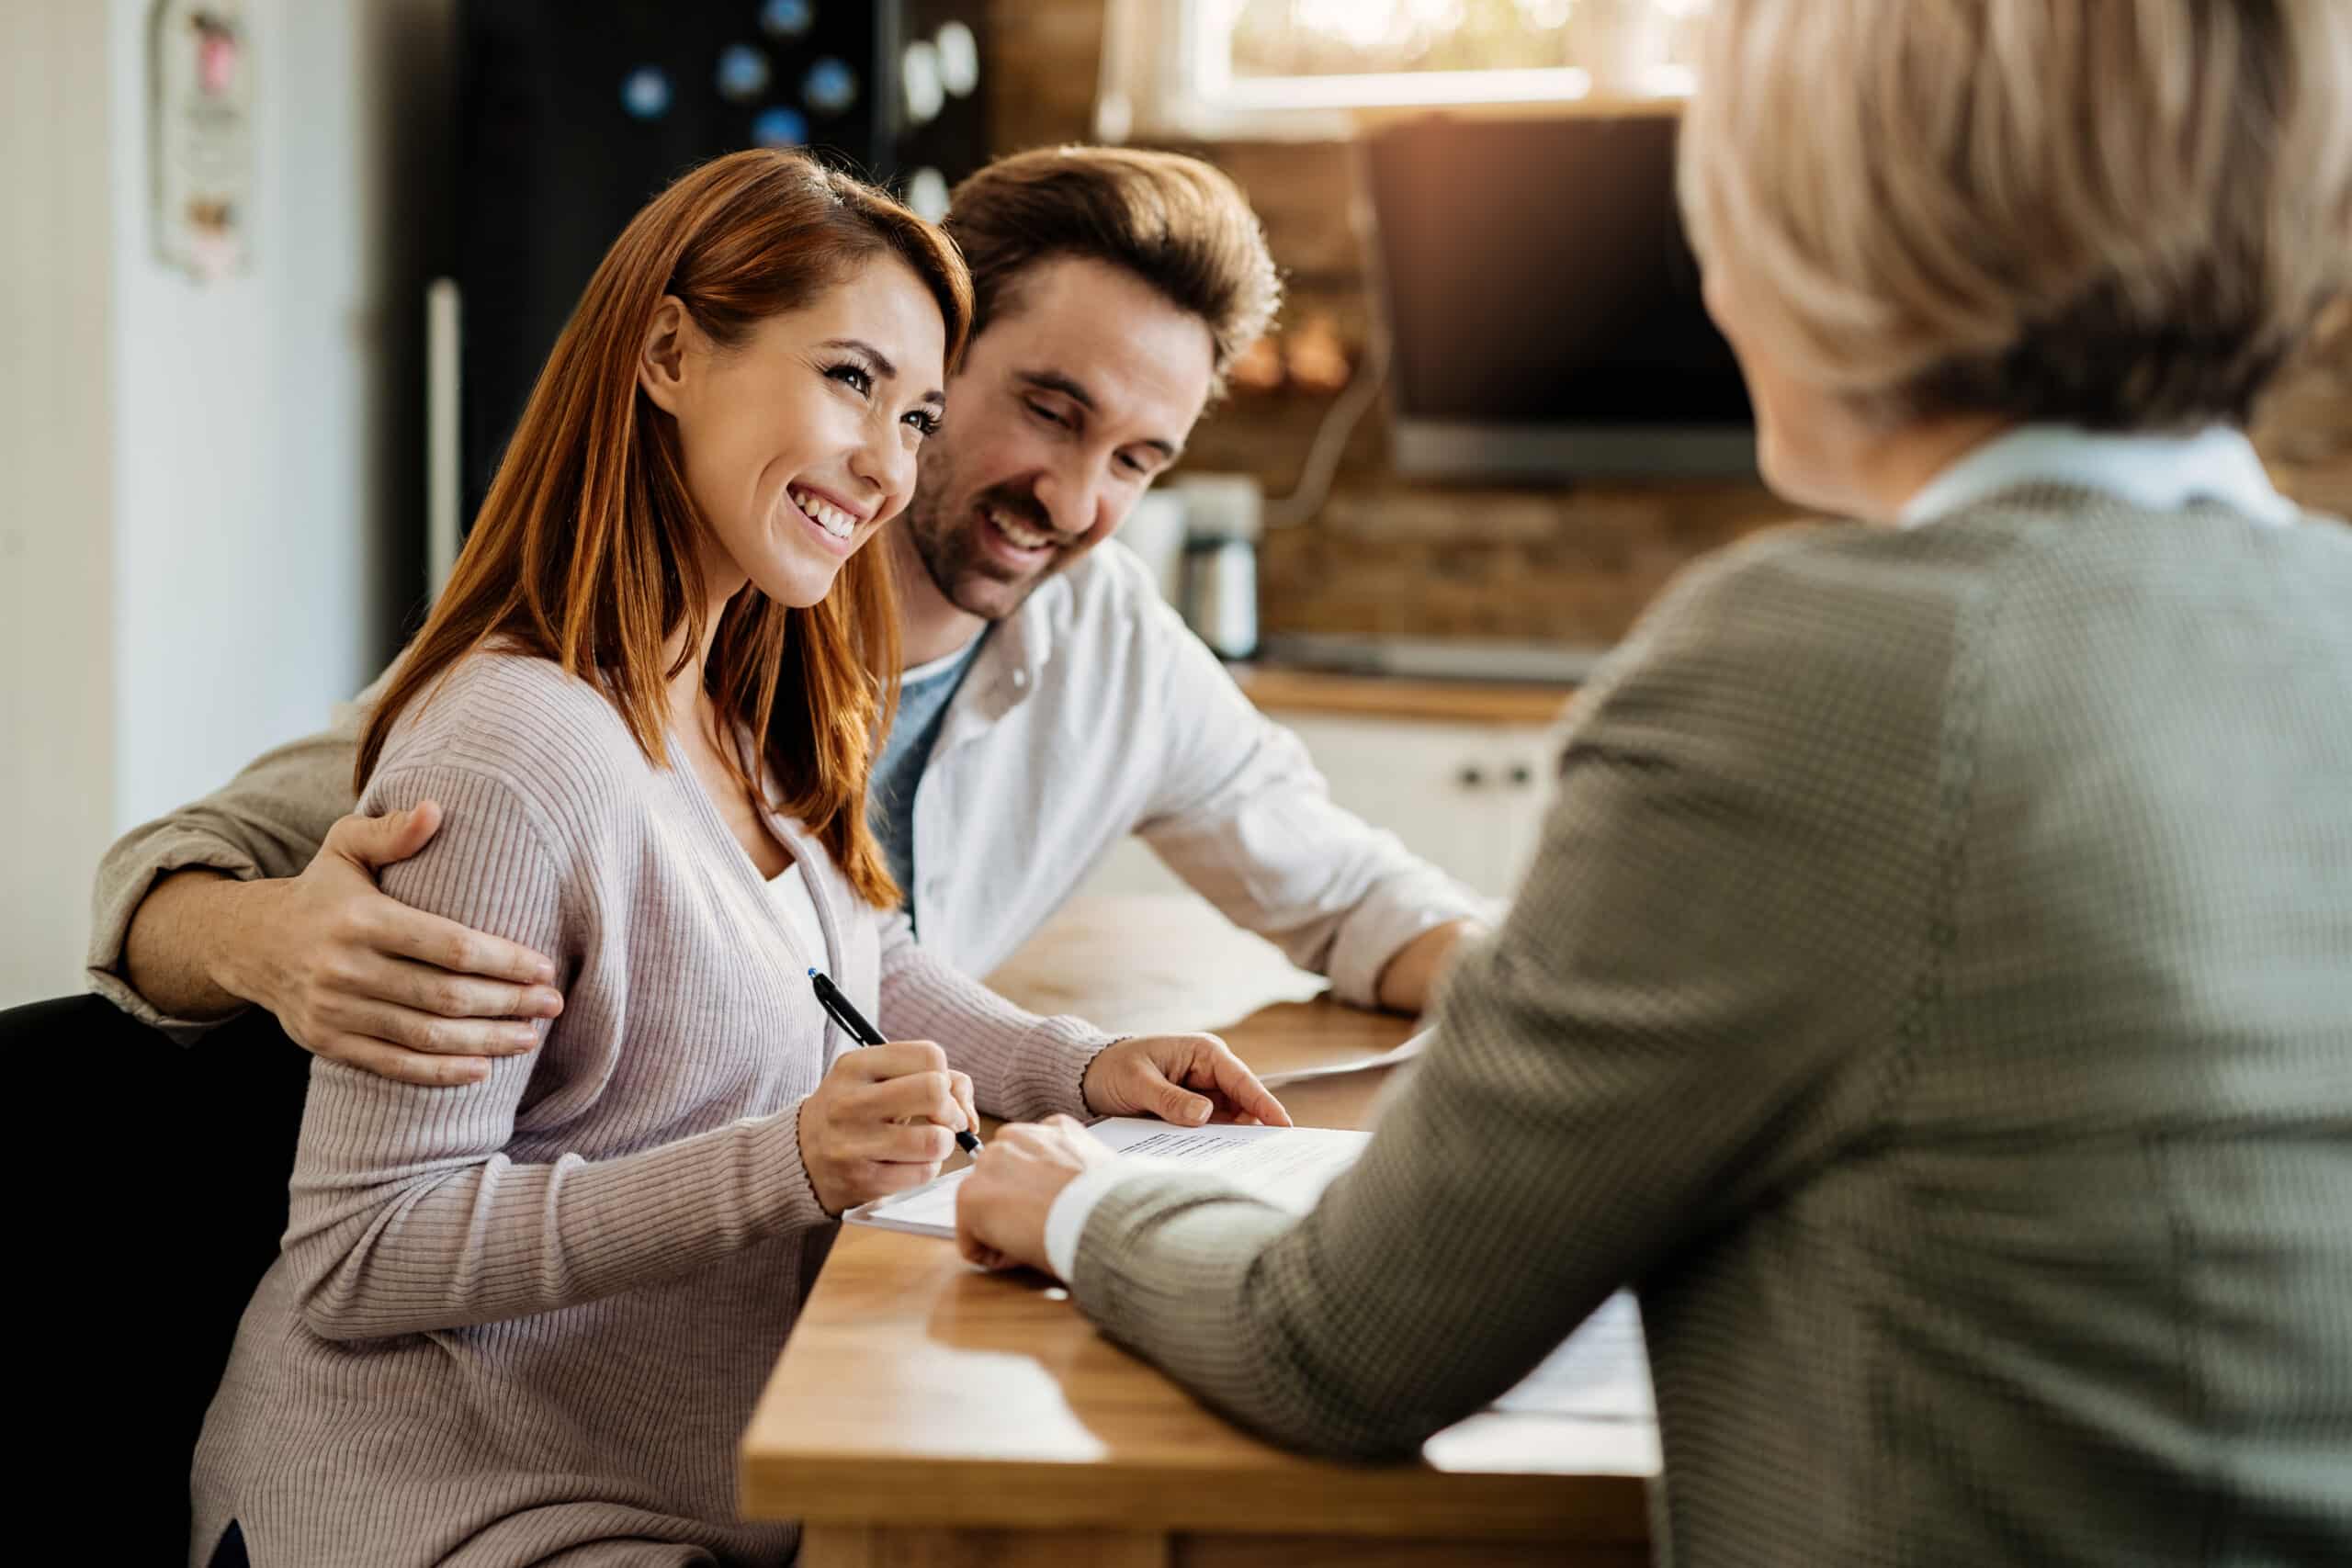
[{"x": 1402, "y": 1502}]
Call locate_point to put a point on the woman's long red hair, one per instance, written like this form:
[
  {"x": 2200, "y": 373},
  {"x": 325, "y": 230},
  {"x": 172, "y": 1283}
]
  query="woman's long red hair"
[{"x": 586, "y": 551}]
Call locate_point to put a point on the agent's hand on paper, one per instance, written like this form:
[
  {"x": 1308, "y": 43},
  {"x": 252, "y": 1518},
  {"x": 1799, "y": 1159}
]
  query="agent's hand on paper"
[
  {"x": 358, "y": 976},
  {"x": 883, "y": 1120},
  {"x": 1002, "y": 1207},
  {"x": 1185, "y": 1078}
]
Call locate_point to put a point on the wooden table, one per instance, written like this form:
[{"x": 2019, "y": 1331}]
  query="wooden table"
[{"x": 926, "y": 1416}]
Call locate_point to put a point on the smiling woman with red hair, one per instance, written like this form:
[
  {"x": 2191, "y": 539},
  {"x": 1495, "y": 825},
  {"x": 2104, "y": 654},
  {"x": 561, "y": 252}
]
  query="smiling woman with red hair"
[{"x": 524, "y": 1319}]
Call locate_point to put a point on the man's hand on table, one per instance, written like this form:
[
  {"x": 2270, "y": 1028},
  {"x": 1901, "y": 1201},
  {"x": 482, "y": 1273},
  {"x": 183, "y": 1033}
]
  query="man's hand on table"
[
  {"x": 359, "y": 977},
  {"x": 1001, "y": 1210}
]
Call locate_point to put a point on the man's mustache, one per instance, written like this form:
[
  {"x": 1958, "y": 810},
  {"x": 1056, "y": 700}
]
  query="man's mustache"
[{"x": 1022, "y": 508}]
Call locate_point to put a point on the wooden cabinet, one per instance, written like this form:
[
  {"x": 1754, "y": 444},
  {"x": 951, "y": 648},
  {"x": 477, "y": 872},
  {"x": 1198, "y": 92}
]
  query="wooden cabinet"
[{"x": 1470, "y": 797}]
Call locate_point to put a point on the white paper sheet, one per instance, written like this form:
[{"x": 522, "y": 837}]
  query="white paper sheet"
[
  {"x": 1405, "y": 1050},
  {"x": 1601, "y": 1372},
  {"x": 1285, "y": 1166}
]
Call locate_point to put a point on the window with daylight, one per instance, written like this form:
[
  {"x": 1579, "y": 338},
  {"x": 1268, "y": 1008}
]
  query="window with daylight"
[{"x": 1230, "y": 68}]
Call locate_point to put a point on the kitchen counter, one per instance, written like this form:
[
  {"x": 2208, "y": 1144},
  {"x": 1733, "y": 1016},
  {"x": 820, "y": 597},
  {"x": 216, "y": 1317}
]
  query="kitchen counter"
[{"x": 1284, "y": 690}]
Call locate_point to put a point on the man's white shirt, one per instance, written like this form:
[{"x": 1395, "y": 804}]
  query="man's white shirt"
[{"x": 1093, "y": 712}]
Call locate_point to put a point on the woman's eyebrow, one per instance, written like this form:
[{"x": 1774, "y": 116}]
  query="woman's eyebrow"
[{"x": 859, "y": 346}]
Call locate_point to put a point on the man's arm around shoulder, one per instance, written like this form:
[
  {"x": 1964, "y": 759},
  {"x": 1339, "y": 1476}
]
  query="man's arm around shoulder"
[
  {"x": 165, "y": 901},
  {"x": 263, "y": 893}
]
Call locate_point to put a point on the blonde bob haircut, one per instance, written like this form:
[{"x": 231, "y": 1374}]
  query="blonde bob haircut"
[{"x": 2122, "y": 214}]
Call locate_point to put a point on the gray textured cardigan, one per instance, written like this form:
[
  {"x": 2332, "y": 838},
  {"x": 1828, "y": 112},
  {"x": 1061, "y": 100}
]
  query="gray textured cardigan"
[{"x": 1933, "y": 994}]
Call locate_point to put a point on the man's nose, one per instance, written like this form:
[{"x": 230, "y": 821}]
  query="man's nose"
[{"x": 1069, "y": 498}]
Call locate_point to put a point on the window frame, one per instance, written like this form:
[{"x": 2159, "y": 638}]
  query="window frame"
[{"x": 1164, "y": 76}]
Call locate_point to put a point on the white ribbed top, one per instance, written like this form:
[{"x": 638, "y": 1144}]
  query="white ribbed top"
[{"x": 798, "y": 907}]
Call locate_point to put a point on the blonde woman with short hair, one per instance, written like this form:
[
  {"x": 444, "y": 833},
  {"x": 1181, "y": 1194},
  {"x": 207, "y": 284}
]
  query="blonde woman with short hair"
[{"x": 1934, "y": 996}]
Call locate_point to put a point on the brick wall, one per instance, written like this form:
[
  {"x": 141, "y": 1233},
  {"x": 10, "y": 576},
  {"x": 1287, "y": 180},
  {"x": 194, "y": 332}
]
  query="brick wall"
[{"x": 1388, "y": 555}]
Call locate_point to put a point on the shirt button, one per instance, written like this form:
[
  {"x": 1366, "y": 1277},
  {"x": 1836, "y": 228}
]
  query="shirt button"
[{"x": 1020, "y": 678}]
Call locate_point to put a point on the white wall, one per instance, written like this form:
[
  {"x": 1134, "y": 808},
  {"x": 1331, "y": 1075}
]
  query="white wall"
[
  {"x": 252, "y": 495},
  {"x": 256, "y": 492},
  {"x": 56, "y": 511}
]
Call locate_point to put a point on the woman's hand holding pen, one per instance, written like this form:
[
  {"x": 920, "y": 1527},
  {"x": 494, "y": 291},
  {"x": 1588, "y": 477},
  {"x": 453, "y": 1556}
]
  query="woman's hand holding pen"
[{"x": 884, "y": 1120}]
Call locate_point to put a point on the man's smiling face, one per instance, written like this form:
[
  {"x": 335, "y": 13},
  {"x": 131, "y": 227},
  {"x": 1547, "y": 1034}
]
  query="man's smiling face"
[{"x": 1075, "y": 396}]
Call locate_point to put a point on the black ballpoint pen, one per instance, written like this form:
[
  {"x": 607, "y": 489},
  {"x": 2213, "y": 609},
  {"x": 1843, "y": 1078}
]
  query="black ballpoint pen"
[{"x": 844, "y": 1012}]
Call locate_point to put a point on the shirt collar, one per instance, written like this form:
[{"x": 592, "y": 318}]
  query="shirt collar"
[
  {"x": 1030, "y": 632},
  {"x": 1010, "y": 660},
  {"x": 944, "y": 664},
  {"x": 2163, "y": 473}
]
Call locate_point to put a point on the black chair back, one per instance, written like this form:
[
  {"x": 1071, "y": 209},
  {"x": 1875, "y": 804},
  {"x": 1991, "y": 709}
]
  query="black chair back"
[{"x": 168, "y": 1196}]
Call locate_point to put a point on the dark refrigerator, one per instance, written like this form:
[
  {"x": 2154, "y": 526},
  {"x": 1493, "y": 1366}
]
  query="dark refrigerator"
[{"x": 569, "y": 116}]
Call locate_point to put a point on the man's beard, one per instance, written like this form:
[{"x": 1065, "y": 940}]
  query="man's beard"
[{"x": 953, "y": 556}]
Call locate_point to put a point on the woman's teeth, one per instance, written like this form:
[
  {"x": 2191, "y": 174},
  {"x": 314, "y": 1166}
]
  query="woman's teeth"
[
  {"x": 824, "y": 514},
  {"x": 1025, "y": 537}
]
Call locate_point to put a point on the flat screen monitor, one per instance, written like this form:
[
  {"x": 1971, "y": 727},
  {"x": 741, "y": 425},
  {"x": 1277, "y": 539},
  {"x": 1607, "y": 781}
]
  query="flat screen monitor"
[{"x": 1544, "y": 306}]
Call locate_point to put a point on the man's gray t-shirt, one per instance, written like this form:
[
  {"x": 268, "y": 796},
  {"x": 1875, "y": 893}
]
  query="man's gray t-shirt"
[{"x": 924, "y": 693}]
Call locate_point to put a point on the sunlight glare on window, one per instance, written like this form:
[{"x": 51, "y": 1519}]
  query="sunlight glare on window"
[{"x": 1274, "y": 39}]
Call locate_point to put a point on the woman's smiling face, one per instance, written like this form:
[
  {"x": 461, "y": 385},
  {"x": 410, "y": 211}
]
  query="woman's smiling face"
[{"x": 799, "y": 442}]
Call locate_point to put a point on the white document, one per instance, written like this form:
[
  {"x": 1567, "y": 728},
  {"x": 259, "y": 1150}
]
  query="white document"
[
  {"x": 1285, "y": 1166},
  {"x": 1406, "y": 1050},
  {"x": 1601, "y": 1372}
]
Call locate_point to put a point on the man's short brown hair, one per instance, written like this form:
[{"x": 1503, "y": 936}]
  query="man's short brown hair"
[
  {"x": 1176, "y": 223},
  {"x": 2113, "y": 213}
]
